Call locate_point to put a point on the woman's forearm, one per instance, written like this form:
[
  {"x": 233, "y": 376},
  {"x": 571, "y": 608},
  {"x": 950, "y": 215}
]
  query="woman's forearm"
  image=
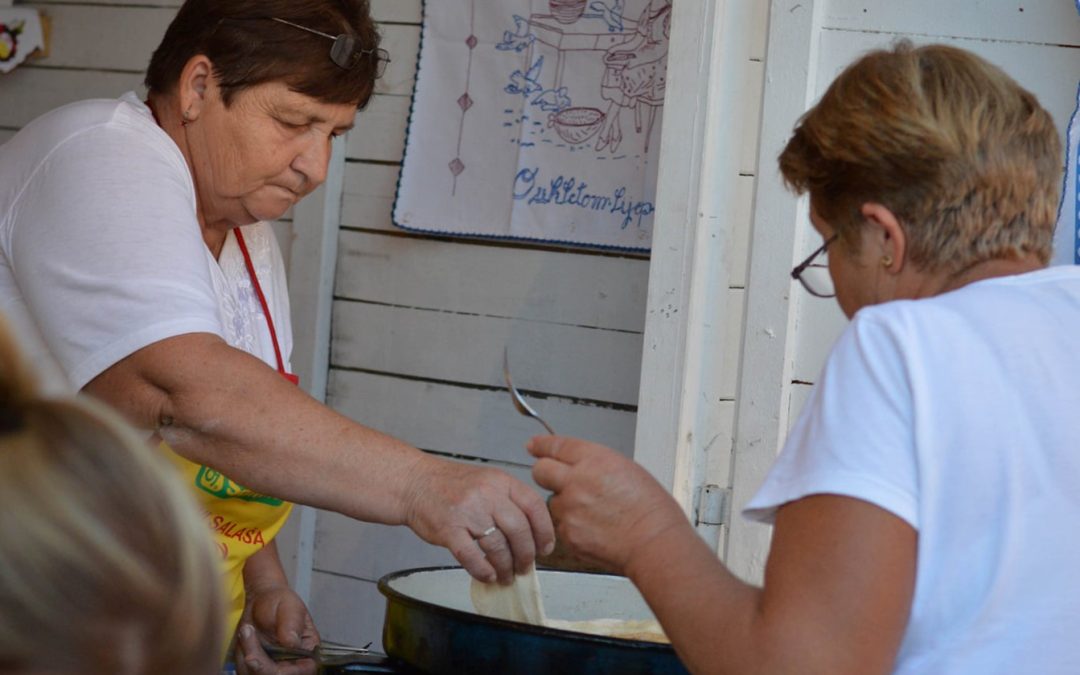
[
  {"x": 264, "y": 569},
  {"x": 221, "y": 407},
  {"x": 707, "y": 612}
]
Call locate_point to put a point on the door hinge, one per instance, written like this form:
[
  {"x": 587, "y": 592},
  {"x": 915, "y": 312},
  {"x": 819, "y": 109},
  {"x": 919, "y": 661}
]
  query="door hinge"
[{"x": 712, "y": 505}]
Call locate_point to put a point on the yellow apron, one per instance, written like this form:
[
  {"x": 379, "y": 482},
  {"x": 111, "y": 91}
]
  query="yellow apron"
[{"x": 242, "y": 522}]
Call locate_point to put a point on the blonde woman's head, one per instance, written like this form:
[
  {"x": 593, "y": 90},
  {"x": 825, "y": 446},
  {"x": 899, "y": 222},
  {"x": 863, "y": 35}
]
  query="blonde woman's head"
[
  {"x": 968, "y": 160},
  {"x": 105, "y": 564}
]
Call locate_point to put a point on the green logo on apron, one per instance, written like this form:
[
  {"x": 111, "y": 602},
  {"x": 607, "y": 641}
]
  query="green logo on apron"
[{"x": 217, "y": 484}]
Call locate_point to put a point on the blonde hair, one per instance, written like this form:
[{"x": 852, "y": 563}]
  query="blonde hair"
[
  {"x": 967, "y": 159},
  {"x": 105, "y": 563}
]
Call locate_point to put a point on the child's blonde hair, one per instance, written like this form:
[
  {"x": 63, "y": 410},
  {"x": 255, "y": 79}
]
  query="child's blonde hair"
[{"x": 105, "y": 563}]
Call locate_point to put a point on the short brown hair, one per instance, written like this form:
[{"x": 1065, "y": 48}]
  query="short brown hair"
[
  {"x": 106, "y": 565},
  {"x": 967, "y": 159},
  {"x": 248, "y": 49}
]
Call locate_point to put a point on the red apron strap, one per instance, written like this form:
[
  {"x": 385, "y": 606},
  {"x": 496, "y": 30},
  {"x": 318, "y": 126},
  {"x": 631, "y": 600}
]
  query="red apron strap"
[{"x": 265, "y": 307}]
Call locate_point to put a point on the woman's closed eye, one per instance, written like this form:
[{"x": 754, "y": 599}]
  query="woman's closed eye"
[{"x": 296, "y": 126}]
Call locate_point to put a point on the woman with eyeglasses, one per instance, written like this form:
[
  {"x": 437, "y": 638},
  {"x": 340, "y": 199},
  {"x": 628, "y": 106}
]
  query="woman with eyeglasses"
[
  {"x": 924, "y": 503},
  {"x": 138, "y": 266}
]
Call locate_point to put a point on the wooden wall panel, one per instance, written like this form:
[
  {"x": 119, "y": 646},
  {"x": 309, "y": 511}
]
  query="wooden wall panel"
[
  {"x": 554, "y": 358},
  {"x": 93, "y": 37},
  {"x": 483, "y": 279},
  {"x": 347, "y": 611},
  {"x": 467, "y": 421},
  {"x": 393, "y": 11},
  {"x": 379, "y": 134},
  {"x": 39, "y": 90},
  {"x": 1051, "y": 22}
]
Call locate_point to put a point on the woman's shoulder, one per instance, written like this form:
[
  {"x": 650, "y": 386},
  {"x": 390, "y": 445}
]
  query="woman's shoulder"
[
  {"x": 112, "y": 140},
  {"x": 97, "y": 124}
]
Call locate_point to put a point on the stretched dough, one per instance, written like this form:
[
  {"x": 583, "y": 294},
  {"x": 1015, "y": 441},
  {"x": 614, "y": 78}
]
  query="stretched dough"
[
  {"x": 628, "y": 629},
  {"x": 520, "y": 601}
]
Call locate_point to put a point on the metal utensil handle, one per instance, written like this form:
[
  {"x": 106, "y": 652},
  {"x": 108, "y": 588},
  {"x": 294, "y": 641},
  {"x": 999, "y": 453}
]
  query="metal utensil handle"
[
  {"x": 520, "y": 404},
  {"x": 546, "y": 425}
]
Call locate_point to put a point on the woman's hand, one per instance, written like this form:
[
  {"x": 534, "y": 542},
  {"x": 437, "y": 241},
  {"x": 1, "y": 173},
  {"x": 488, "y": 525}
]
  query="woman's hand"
[
  {"x": 492, "y": 523},
  {"x": 274, "y": 614},
  {"x": 606, "y": 507}
]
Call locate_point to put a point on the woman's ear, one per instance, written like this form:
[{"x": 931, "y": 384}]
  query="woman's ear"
[
  {"x": 193, "y": 86},
  {"x": 884, "y": 233}
]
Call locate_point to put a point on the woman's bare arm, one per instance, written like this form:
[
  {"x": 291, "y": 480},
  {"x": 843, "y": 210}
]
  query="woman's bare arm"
[
  {"x": 838, "y": 582},
  {"x": 219, "y": 406}
]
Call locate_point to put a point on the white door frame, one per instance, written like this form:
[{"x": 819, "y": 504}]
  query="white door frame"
[{"x": 687, "y": 313}]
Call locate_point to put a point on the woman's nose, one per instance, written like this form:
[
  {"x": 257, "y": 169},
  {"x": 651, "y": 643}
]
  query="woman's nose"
[{"x": 313, "y": 161}]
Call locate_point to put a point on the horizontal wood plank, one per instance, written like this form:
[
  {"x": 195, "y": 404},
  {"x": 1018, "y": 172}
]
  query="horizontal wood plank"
[
  {"x": 347, "y": 611},
  {"x": 397, "y": 11},
  {"x": 1043, "y": 21},
  {"x": 1049, "y": 72},
  {"x": 39, "y": 90},
  {"x": 469, "y": 422},
  {"x": 541, "y": 285},
  {"x": 175, "y": 4},
  {"x": 124, "y": 37},
  {"x": 555, "y": 359},
  {"x": 368, "y": 550},
  {"x": 368, "y": 199},
  {"x": 103, "y": 37},
  {"x": 379, "y": 133}
]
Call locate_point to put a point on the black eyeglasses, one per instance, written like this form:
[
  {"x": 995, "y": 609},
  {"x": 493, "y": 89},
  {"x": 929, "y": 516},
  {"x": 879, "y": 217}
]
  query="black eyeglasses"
[
  {"x": 345, "y": 52},
  {"x": 814, "y": 276}
]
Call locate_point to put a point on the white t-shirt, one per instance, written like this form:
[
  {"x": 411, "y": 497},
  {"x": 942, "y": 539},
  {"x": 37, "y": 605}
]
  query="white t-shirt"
[
  {"x": 960, "y": 414},
  {"x": 101, "y": 251}
]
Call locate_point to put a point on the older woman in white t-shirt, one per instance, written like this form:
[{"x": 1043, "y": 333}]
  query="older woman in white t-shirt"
[
  {"x": 136, "y": 265},
  {"x": 924, "y": 502}
]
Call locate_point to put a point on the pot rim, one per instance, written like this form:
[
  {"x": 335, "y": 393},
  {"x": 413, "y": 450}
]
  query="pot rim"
[{"x": 398, "y": 596}]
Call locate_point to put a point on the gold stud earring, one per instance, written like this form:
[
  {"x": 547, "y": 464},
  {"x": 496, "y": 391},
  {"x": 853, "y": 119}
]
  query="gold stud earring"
[{"x": 886, "y": 260}]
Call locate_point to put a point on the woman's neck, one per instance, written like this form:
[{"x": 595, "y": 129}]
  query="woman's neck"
[
  {"x": 214, "y": 231},
  {"x": 215, "y": 239},
  {"x": 989, "y": 269}
]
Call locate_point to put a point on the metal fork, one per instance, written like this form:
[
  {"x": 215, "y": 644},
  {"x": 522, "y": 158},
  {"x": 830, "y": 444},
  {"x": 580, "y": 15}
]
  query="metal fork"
[
  {"x": 519, "y": 401},
  {"x": 322, "y": 656}
]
